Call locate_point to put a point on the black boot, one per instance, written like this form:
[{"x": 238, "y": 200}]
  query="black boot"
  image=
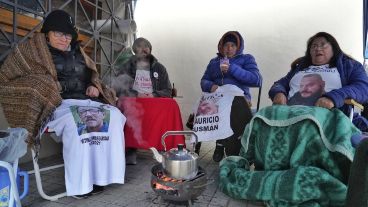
[
  {"x": 131, "y": 156},
  {"x": 218, "y": 154},
  {"x": 197, "y": 148},
  {"x": 97, "y": 189}
]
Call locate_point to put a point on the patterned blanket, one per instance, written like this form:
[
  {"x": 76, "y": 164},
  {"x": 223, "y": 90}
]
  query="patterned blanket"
[
  {"x": 301, "y": 154},
  {"x": 29, "y": 89}
]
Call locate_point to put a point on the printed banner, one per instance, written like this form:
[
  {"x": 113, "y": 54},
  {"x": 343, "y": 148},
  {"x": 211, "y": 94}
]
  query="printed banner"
[{"x": 212, "y": 114}]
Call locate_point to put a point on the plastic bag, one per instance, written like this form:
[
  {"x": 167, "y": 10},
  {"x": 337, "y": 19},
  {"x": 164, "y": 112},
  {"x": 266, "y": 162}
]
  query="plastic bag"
[{"x": 12, "y": 144}]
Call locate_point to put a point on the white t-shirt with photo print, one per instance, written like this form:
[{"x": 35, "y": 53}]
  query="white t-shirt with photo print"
[{"x": 301, "y": 91}]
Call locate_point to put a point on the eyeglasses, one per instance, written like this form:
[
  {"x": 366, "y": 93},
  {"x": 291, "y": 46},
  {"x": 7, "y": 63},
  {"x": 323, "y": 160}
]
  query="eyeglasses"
[
  {"x": 60, "y": 34},
  {"x": 91, "y": 111},
  {"x": 323, "y": 45}
]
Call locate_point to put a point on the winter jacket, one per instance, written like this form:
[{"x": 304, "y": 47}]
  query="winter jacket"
[
  {"x": 72, "y": 73},
  {"x": 354, "y": 82},
  {"x": 160, "y": 79},
  {"x": 243, "y": 71}
]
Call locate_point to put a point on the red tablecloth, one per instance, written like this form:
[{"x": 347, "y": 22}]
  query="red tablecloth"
[{"x": 148, "y": 119}]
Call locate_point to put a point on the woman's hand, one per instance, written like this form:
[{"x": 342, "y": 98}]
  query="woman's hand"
[
  {"x": 325, "y": 103},
  {"x": 224, "y": 68},
  {"x": 214, "y": 88},
  {"x": 92, "y": 92},
  {"x": 224, "y": 65},
  {"x": 279, "y": 99}
]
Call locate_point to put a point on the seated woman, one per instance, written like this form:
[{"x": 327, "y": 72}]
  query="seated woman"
[
  {"x": 301, "y": 157},
  {"x": 142, "y": 76},
  {"x": 232, "y": 67},
  {"x": 324, "y": 77},
  {"x": 49, "y": 79},
  {"x": 301, "y": 154}
]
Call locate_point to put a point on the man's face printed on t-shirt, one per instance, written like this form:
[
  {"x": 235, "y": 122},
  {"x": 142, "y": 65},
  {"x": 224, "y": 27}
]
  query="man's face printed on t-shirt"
[
  {"x": 311, "y": 85},
  {"x": 91, "y": 116},
  {"x": 207, "y": 108}
]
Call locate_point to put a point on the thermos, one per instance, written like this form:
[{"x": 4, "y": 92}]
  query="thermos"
[{"x": 5, "y": 185}]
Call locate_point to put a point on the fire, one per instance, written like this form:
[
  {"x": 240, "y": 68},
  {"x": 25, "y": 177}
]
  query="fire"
[
  {"x": 162, "y": 187},
  {"x": 165, "y": 178}
]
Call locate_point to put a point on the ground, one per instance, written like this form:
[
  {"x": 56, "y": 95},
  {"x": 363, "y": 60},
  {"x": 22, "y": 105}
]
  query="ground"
[{"x": 135, "y": 192}]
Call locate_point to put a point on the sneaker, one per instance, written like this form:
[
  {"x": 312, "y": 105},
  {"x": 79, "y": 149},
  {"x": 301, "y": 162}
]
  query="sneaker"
[
  {"x": 83, "y": 196},
  {"x": 97, "y": 189},
  {"x": 218, "y": 154}
]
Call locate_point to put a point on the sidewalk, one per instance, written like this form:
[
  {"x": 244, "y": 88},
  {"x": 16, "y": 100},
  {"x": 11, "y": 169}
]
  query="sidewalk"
[{"x": 136, "y": 191}]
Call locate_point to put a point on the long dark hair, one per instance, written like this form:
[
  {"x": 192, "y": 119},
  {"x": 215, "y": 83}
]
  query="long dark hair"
[{"x": 306, "y": 61}]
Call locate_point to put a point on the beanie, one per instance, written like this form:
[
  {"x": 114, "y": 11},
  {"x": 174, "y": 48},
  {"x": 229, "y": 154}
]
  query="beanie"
[
  {"x": 230, "y": 38},
  {"x": 138, "y": 41},
  {"x": 59, "y": 20}
]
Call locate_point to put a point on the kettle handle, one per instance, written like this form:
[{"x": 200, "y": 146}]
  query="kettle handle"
[{"x": 178, "y": 133}]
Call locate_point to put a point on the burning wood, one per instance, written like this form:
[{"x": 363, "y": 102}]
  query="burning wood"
[
  {"x": 177, "y": 189},
  {"x": 166, "y": 178},
  {"x": 161, "y": 187}
]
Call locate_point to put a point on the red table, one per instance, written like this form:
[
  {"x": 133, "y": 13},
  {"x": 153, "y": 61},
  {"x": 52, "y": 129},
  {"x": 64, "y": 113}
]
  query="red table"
[{"x": 148, "y": 119}]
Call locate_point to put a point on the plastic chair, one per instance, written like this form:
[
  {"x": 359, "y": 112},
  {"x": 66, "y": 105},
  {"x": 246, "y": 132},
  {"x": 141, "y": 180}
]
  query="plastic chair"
[
  {"x": 354, "y": 105},
  {"x": 255, "y": 110}
]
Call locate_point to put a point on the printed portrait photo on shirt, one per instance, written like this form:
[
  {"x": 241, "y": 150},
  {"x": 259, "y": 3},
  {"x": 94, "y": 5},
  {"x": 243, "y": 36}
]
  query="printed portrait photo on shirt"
[
  {"x": 91, "y": 119},
  {"x": 207, "y": 107},
  {"x": 308, "y": 86}
]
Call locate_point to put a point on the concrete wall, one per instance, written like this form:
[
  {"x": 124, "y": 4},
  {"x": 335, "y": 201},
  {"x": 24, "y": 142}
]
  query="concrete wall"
[{"x": 184, "y": 34}]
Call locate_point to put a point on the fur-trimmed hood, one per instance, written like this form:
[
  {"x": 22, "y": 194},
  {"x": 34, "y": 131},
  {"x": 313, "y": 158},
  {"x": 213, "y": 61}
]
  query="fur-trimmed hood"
[{"x": 239, "y": 44}]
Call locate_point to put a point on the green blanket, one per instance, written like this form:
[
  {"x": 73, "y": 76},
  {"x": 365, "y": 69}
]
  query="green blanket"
[{"x": 301, "y": 154}]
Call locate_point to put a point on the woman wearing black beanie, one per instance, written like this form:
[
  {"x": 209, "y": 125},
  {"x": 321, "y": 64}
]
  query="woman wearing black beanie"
[{"x": 56, "y": 83}]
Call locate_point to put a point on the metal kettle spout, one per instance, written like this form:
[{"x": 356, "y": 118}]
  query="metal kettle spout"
[{"x": 156, "y": 154}]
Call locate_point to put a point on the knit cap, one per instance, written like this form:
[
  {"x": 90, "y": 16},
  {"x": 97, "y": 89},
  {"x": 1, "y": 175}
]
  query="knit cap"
[{"x": 59, "y": 20}]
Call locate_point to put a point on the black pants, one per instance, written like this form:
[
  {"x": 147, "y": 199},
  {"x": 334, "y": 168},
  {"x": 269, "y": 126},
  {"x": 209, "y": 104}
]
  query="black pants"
[
  {"x": 240, "y": 116},
  {"x": 357, "y": 195}
]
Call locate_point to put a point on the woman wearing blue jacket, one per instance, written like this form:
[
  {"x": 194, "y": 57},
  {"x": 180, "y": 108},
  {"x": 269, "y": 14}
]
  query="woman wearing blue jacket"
[
  {"x": 343, "y": 77},
  {"x": 241, "y": 69},
  {"x": 231, "y": 66}
]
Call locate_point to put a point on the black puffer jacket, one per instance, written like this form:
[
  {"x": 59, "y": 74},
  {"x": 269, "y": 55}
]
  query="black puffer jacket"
[{"x": 72, "y": 72}]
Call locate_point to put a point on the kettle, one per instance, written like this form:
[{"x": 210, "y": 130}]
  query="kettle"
[{"x": 178, "y": 163}]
